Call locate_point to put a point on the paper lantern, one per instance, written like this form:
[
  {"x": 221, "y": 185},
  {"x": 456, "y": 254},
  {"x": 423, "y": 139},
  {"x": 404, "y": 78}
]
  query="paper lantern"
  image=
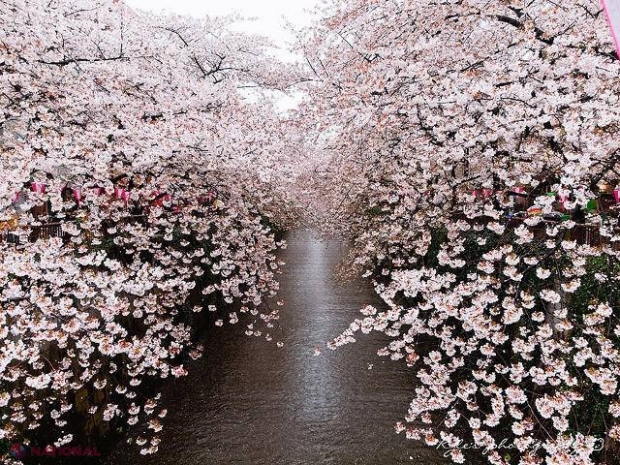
[
  {"x": 160, "y": 199},
  {"x": 617, "y": 194},
  {"x": 38, "y": 187},
  {"x": 534, "y": 211},
  {"x": 77, "y": 195},
  {"x": 604, "y": 187}
]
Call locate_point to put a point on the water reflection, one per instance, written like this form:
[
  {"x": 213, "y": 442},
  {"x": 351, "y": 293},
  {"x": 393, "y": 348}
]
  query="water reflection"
[{"x": 248, "y": 402}]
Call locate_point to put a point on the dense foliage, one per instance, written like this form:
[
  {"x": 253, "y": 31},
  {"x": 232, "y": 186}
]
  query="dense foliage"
[
  {"x": 470, "y": 149},
  {"x": 138, "y": 185}
]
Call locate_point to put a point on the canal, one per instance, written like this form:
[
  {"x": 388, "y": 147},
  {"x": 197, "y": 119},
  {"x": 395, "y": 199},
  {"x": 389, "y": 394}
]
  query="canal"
[{"x": 248, "y": 402}]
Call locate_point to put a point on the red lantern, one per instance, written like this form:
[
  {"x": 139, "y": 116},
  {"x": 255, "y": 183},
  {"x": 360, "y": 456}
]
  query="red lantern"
[
  {"x": 38, "y": 187},
  {"x": 77, "y": 195},
  {"x": 160, "y": 199},
  {"x": 617, "y": 194}
]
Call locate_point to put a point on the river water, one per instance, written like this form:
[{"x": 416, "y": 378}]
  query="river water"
[{"x": 248, "y": 402}]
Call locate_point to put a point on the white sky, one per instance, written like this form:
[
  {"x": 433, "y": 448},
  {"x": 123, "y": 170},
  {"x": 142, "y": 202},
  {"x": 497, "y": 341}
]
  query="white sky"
[
  {"x": 269, "y": 18},
  {"x": 270, "y": 15}
]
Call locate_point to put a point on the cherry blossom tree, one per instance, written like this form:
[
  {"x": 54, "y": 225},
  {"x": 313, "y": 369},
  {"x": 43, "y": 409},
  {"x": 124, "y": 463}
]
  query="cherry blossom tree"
[
  {"x": 470, "y": 150},
  {"x": 139, "y": 186}
]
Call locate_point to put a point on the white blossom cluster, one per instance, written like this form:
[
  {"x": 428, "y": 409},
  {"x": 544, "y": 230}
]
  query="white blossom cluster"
[
  {"x": 100, "y": 100},
  {"x": 443, "y": 118}
]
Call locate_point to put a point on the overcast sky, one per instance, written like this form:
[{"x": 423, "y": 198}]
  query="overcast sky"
[
  {"x": 270, "y": 14},
  {"x": 270, "y": 18}
]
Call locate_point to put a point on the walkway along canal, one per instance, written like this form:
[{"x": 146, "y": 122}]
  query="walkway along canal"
[{"x": 252, "y": 403}]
